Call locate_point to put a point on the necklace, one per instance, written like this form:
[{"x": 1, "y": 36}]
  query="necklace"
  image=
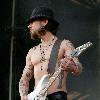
[
  {"x": 43, "y": 50},
  {"x": 48, "y": 44}
]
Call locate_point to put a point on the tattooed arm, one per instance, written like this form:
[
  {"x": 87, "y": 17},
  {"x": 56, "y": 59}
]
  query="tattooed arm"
[
  {"x": 77, "y": 69},
  {"x": 74, "y": 66},
  {"x": 26, "y": 76}
]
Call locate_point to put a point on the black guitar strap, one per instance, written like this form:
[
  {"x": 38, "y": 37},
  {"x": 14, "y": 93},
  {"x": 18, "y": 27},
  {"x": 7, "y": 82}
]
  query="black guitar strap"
[{"x": 53, "y": 57}]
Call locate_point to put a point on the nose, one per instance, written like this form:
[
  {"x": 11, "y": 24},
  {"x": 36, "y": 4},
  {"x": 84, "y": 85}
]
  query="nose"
[{"x": 29, "y": 25}]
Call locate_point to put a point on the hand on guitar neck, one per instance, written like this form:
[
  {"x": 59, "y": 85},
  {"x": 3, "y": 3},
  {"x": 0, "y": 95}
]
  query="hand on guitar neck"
[
  {"x": 69, "y": 65},
  {"x": 66, "y": 62}
]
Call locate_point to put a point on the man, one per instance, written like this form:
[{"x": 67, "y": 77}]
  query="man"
[{"x": 42, "y": 25}]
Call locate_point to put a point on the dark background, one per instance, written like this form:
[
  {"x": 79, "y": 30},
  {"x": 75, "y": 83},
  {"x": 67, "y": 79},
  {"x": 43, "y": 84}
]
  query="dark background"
[{"x": 79, "y": 22}]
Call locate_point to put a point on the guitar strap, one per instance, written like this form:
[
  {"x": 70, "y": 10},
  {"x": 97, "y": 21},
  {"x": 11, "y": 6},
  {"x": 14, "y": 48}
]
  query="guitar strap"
[{"x": 53, "y": 57}]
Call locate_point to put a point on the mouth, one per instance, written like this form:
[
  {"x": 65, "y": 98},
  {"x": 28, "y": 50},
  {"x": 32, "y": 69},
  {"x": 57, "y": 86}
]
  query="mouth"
[{"x": 31, "y": 31}]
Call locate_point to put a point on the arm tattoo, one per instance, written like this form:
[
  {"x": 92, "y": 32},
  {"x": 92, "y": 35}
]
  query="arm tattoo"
[
  {"x": 61, "y": 76},
  {"x": 24, "y": 82},
  {"x": 70, "y": 45},
  {"x": 79, "y": 67},
  {"x": 23, "y": 88},
  {"x": 29, "y": 73}
]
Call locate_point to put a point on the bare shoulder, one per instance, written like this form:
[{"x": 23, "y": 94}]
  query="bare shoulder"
[
  {"x": 67, "y": 44},
  {"x": 31, "y": 50}
]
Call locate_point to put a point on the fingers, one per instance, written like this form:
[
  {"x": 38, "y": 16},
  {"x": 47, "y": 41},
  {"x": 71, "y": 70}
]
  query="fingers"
[{"x": 66, "y": 63}]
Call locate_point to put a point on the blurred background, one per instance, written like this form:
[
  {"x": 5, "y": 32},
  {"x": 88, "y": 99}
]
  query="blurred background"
[{"x": 79, "y": 22}]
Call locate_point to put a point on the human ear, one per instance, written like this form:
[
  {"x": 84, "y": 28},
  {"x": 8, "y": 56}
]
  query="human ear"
[{"x": 44, "y": 22}]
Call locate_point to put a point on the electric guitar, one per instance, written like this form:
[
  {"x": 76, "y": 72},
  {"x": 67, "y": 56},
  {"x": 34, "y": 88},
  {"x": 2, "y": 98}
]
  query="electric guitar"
[{"x": 46, "y": 81}]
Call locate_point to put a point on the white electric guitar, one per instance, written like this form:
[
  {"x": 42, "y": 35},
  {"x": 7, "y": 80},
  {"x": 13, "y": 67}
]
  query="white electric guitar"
[{"x": 46, "y": 81}]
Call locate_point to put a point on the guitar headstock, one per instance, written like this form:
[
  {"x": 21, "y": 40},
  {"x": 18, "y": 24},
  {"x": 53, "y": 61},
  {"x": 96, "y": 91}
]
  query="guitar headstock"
[{"x": 80, "y": 49}]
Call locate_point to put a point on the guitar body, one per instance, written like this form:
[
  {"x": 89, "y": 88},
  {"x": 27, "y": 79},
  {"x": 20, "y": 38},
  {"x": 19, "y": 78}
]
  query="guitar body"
[{"x": 36, "y": 94}]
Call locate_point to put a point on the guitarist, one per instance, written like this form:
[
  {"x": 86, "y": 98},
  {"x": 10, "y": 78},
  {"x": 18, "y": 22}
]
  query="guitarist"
[{"x": 42, "y": 25}]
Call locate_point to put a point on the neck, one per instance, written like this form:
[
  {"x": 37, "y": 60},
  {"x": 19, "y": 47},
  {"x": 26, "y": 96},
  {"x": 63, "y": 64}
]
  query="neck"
[{"x": 47, "y": 38}]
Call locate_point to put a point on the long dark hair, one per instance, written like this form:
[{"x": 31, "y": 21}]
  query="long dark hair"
[{"x": 52, "y": 27}]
